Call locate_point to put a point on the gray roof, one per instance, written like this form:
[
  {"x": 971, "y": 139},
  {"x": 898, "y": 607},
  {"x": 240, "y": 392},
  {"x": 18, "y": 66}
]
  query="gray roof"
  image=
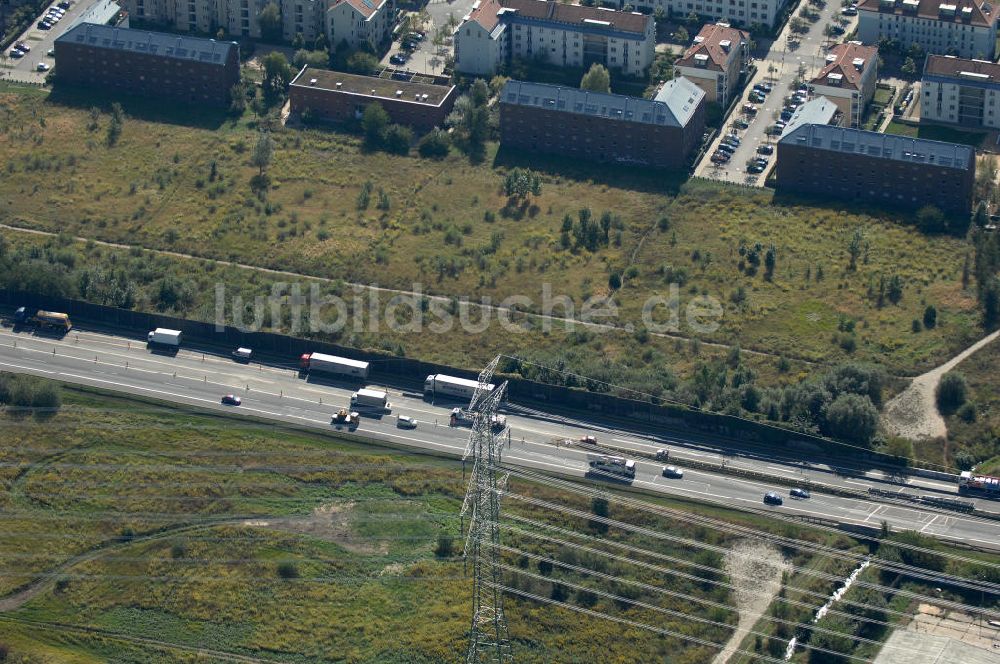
[
  {"x": 815, "y": 111},
  {"x": 682, "y": 96},
  {"x": 153, "y": 43},
  {"x": 674, "y": 113},
  {"x": 882, "y": 146}
]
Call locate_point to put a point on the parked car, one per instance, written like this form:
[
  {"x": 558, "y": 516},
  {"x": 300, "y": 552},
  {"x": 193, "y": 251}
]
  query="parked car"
[
  {"x": 231, "y": 400},
  {"x": 786, "y": 115},
  {"x": 21, "y": 46},
  {"x": 749, "y": 109},
  {"x": 398, "y": 59},
  {"x": 42, "y": 66},
  {"x": 765, "y": 149},
  {"x": 673, "y": 471},
  {"x": 720, "y": 158},
  {"x": 775, "y": 130},
  {"x": 740, "y": 123},
  {"x": 757, "y": 97},
  {"x": 755, "y": 168},
  {"x": 799, "y": 493},
  {"x": 771, "y": 498},
  {"x": 732, "y": 138},
  {"x": 63, "y": 5},
  {"x": 726, "y": 148},
  {"x": 763, "y": 87},
  {"x": 406, "y": 422},
  {"x": 849, "y": 11},
  {"x": 44, "y": 25},
  {"x": 16, "y": 53},
  {"x": 51, "y": 52},
  {"x": 836, "y": 30}
]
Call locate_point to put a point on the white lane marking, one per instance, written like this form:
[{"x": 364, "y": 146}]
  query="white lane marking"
[{"x": 929, "y": 523}]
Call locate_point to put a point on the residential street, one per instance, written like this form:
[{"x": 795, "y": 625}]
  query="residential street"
[{"x": 779, "y": 66}]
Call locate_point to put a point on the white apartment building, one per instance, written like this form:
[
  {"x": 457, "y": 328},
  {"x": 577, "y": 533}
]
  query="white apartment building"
[
  {"x": 848, "y": 79},
  {"x": 497, "y": 31},
  {"x": 960, "y": 92},
  {"x": 714, "y": 61},
  {"x": 966, "y": 28},
  {"x": 359, "y": 22},
  {"x": 735, "y": 12}
]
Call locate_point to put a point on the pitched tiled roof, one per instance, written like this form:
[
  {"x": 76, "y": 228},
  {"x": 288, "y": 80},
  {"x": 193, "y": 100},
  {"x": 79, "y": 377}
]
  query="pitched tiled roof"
[
  {"x": 881, "y": 146},
  {"x": 952, "y": 67},
  {"x": 676, "y": 111},
  {"x": 487, "y": 12},
  {"x": 366, "y": 8},
  {"x": 843, "y": 63},
  {"x": 181, "y": 47},
  {"x": 709, "y": 42},
  {"x": 979, "y": 12}
]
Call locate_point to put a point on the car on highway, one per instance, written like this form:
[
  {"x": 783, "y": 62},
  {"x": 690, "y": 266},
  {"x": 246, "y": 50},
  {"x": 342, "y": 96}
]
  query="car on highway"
[
  {"x": 231, "y": 400},
  {"x": 771, "y": 498},
  {"x": 673, "y": 472},
  {"x": 662, "y": 454},
  {"x": 398, "y": 59},
  {"x": 406, "y": 422},
  {"x": 799, "y": 493},
  {"x": 242, "y": 354},
  {"x": 765, "y": 149},
  {"x": 42, "y": 66}
]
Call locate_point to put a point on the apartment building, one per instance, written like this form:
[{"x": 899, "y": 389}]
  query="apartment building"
[
  {"x": 966, "y": 28},
  {"x": 715, "y": 60},
  {"x": 848, "y": 79},
  {"x": 361, "y": 23},
  {"x": 960, "y": 92},
  {"x": 336, "y": 96},
  {"x": 148, "y": 64},
  {"x": 735, "y": 12},
  {"x": 659, "y": 132},
  {"x": 884, "y": 169},
  {"x": 497, "y": 31}
]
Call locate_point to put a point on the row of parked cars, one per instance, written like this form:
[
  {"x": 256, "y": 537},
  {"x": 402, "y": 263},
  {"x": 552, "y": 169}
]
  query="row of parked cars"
[
  {"x": 53, "y": 15},
  {"x": 407, "y": 45},
  {"x": 799, "y": 97}
]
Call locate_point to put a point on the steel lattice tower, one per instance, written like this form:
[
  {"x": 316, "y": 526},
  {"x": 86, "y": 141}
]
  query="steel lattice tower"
[{"x": 488, "y": 638}]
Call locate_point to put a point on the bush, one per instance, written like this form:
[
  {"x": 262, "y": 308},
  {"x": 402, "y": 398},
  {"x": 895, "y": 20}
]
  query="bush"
[
  {"x": 397, "y": 139},
  {"x": 288, "y": 571},
  {"x": 951, "y": 393},
  {"x": 930, "y": 317},
  {"x": 435, "y": 144},
  {"x": 445, "y": 546},
  {"x": 852, "y": 417}
]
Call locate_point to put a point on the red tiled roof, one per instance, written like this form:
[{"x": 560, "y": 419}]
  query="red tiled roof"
[
  {"x": 711, "y": 37},
  {"x": 486, "y": 14},
  {"x": 366, "y": 8},
  {"x": 947, "y": 65},
  {"x": 930, "y": 9},
  {"x": 844, "y": 64}
]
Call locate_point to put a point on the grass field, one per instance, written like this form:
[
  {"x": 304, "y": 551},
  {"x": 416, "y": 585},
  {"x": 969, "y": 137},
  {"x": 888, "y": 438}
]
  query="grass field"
[{"x": 937, "y": 133}]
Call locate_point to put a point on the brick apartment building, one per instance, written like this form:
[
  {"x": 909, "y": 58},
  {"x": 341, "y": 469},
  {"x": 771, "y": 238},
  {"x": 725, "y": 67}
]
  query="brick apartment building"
[
  {"x": 566, "y": 35},
  {"x": 335, "y": 96},
  {"x": 658, "y": 132},
  {"x": 848, "y": 79},
  {"x": 966, "y": 28},
  {"x": 885, "y": 169},
  {"x": 960, "y": 92},
  {"x": 147, "y": 64},
  {"x": 714, "y": 61}
]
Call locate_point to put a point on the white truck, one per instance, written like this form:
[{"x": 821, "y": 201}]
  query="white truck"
[
  {"x": 462, "y": 417},
  {"x": 611, "y": 466},
  {"x": 371, "y": 400},
  {"x": 165, "y": 338},
  {"x": 441, "y": 385},
  {"x": 333, "y": 365}
]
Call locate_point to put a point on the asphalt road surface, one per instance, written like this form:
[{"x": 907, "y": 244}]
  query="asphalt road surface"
[{"x": 124, "y": 364}]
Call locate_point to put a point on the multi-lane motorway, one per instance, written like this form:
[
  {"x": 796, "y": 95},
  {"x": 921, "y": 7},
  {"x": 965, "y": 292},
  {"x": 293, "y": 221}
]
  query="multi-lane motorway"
[{"x": 124, "y": 364}]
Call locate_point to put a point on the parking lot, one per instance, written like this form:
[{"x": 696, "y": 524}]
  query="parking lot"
[
  {"x": 782, "y": 64},
  {"x": 40, "y": 41},
  {"x": 427, "y": 57}
]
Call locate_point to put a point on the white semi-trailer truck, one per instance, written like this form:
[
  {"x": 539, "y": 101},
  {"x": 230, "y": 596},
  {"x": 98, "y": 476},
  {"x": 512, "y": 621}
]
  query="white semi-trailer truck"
[
  {"x": 321, "y": 363},
  {"x": 451, "y": 386},
  {"x": 165, "y": 338},
  {"x": 371, "y": 400}
]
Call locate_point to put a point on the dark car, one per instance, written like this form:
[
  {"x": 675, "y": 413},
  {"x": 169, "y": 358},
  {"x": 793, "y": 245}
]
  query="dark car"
[
  {"x": 44, "y": 25},
  {"x": 63, "y": 5},
  {"x": 771, "y": 498},
  {"x": 231, "y": 400},
  {"x": 786, "y": 115},
  {"x": 673, "y": 471},
  {"x": 799, "y": 493},
  {"x": 765, "y": 149},
  {"x": 741, "y": 124},
  {"x": 397, "y": 59},
  {"x": 755, "y": 168},
  {"x": 837, "y": 30},
  {"x": 720, "y": 158}
]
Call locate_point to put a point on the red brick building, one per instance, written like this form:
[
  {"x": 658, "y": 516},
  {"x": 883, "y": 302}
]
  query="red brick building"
[
  {"x": 659, "y": 132},
  {"x": 147, "y": 64},
  {"x": 884, "y": 169},
  {"x": 421, "y": 102}
]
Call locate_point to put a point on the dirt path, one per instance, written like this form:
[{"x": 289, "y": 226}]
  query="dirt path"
[
  {"x": 755, "y": 569},
  {"x": 913, "y": 412}
]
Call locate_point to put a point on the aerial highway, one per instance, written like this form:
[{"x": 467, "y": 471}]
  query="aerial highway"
[{"x": 121, "y": 363}]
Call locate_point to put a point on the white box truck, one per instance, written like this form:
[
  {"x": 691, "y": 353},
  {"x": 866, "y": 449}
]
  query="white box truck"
[
  {"x": 369, "y": 399},
  {"x": 161, "y": 336},
  {"x": 322, "y": 363},
  {"x": 438, "y": 385},
  {"x": 611, "y": 466}
]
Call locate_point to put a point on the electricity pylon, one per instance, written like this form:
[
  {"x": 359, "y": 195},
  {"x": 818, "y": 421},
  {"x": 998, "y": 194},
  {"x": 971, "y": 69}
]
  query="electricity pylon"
[{"x": 488, "y": 638}]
